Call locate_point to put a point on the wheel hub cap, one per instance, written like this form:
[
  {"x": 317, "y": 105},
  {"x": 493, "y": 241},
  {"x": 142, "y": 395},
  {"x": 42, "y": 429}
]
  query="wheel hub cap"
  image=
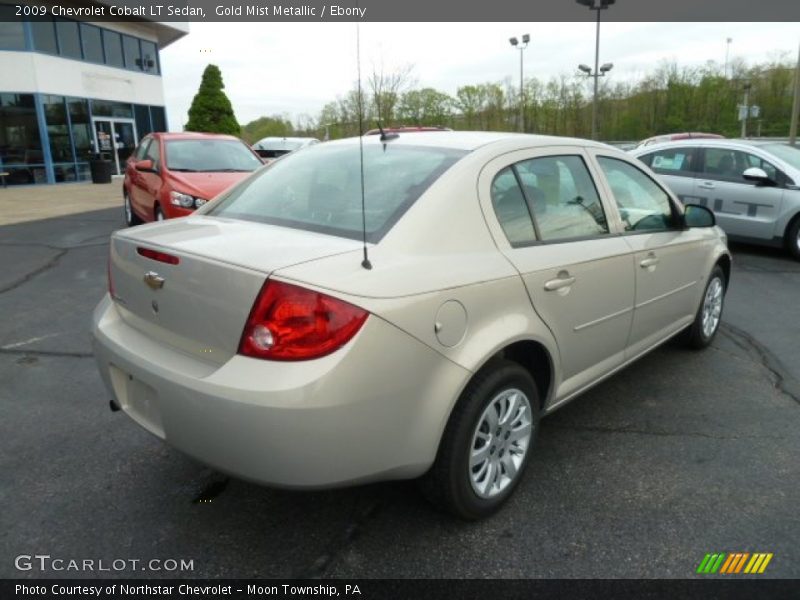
[
  {"x": 500, "y": 443},
  {"x": 712, "y": 307}
]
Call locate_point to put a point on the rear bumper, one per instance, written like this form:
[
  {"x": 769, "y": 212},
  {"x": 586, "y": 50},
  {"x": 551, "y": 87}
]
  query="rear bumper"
[{"x": 373, "y": 410}]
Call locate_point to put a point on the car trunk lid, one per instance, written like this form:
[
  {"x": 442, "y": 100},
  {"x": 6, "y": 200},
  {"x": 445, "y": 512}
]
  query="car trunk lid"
[{"x": 200, "y": 304}]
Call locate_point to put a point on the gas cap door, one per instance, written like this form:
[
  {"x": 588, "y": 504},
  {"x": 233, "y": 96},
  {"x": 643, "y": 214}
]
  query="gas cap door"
[{"x": 451, "y": 323}]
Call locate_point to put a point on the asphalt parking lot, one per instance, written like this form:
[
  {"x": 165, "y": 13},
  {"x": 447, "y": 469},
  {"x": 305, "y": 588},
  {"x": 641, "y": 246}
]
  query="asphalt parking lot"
[{"x": 681, "y": 454}]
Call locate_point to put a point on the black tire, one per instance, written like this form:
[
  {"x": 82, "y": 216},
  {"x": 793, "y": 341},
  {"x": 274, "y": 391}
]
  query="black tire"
[
  {"x": 695, "y": 336},
  {"x": 448, "y": 484},
  {"x": 131, "y": 218},
  {"x": 793, "y": 238}
]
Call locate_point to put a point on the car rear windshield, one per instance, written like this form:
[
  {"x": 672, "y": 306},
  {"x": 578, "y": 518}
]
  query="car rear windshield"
[
  {"x": 319, "y": 188},
  {"x": 785, "y": 152},
  {"x": 209, "y": 155}
]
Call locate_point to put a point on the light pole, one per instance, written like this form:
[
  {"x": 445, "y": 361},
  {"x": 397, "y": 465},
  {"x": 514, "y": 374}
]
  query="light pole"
[
  {"x": 596, "y": 5},
  {"x": 727, "y": 51},
  {"x": 596, "y": 74},
  {"x": 746, "y": 108},
  {"x": 521, "y": 46}
]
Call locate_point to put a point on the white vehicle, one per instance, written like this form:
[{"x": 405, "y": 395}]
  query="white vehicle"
[
  {"x": 270, "y": 148},
  {"x": 752, "y": 186}
]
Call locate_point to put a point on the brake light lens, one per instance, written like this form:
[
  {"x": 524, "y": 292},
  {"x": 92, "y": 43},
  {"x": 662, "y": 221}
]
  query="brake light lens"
[
  {"x": 288, "y": 322},
  {"x": 158, "y": 256}
]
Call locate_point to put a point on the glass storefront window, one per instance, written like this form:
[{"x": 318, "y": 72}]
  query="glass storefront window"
[
  {"x": 20, "y": 146},
  {"x": 65, "y": 172},
  {"x": 12, "y": 34},
  {"x": 142, "y": 115},
  {"x": 69, "y": 42},
  {"x": 55, "y": 115},
  {"x": 106, "y": 108},
  {"x": 158, "y": 118},
  {"x": 92, "y": 43},
  {"x": 81, "y": 128},
  {"x": 44, "y": 36},
  {"x": 113, "y": 45},
  {"x": 133, "y": 54}
]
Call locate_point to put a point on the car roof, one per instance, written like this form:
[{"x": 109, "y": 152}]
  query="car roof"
[
  {"x": 277, "y": 138},
  {"x": 191, "y": 135},
  {"x": 472, "y": 140},
  {"x": 724, "y": 142}
]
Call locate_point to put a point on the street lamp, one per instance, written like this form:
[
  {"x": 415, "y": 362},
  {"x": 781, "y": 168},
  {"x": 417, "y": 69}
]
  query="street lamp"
[
  {"x": 596, "y": 5},
  {"x": 727, "y": 52},
  {"x": 521, "y": 46}
]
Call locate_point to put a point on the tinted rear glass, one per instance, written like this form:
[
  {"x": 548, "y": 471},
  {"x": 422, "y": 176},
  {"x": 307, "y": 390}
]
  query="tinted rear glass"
[
  {"x": 319, "y": 188},
  {"x": 209, "y": 155}
]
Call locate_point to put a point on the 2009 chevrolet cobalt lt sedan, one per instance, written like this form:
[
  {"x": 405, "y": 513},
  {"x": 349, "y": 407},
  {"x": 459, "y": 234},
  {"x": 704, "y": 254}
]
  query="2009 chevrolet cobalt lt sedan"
[{"x": 505, "y": 275}]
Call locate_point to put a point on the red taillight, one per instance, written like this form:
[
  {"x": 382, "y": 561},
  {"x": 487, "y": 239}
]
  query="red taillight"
[
  {"x": 288, "y": 322},
  {"x": 159, "y": 256}
]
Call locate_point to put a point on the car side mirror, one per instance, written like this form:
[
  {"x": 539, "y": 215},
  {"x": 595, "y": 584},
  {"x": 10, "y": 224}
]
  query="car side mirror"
[
  {"x": 757, "y": 176},
  {"x": 145, "y": 165},
  {"x": 695, "y": 215}
]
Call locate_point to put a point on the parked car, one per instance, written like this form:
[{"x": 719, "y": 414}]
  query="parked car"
[
  {"x": 171, "y": 174},
  {"x": 271, "y": 148},
  {"x": 502, "y": 276},
  {"x": 752, "y": 186},
  {"x": 409, "y": 129},
  {"x": 674, "y": 137}
]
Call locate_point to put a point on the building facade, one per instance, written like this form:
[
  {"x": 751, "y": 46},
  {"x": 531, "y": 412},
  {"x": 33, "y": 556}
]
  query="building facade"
[{"x": 72, "y": 89}]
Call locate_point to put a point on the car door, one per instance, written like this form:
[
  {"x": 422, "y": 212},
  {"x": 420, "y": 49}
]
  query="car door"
[
  {"x": 669, "y": 259},
  {"x": 548, "y": 219},
  {"x": 148, "y": 183},
  {"x": 676, "y": 167},
  {"x": 743, "y": 208}
]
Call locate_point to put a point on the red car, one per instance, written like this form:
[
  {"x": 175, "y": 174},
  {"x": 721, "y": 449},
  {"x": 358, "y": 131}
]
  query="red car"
[{"x": 171, "y": 174}]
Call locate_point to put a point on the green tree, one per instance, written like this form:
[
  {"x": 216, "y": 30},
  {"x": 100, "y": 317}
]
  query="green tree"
[
  {"x": 211, "y": 110},
  {"x": 262, "y": 127}
]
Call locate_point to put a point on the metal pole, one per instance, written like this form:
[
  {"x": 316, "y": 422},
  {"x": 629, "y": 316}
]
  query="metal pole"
[
  {"x": 746, "y": 109},
  {"x": 521, "y": 94},
  {"x": 795, "y": 103},
  {"x": 596, "y": 76},
  {"x": 727, "y": 50}
]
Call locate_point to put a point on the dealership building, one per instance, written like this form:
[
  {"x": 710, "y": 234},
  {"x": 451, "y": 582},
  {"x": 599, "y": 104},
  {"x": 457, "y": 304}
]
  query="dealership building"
[{"x": 70, "y": 89}]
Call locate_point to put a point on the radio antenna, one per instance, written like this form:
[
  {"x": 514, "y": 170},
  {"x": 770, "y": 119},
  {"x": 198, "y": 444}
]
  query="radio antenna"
[{"x": 364, "y": 263}]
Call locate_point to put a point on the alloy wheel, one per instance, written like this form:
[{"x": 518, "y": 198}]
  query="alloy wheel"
[
  {"x": 712, "y": 307},
  {"x": 500, "y": 443}
]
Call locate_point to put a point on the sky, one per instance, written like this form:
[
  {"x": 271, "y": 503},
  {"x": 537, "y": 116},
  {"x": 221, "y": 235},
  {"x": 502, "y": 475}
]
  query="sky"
[{"x": 294, "y": 69}]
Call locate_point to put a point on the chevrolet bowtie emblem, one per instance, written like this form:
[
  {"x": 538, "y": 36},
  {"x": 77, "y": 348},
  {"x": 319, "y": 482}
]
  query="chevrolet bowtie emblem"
[{"x": 153, "y": 280}]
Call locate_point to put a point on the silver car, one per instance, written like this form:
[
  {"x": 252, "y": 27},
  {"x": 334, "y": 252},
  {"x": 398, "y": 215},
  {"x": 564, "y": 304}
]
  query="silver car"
[
  {"x": 322, "y": 325},
  {"x": 752, "y": 186},
  {"x": 271, "y": 148}
]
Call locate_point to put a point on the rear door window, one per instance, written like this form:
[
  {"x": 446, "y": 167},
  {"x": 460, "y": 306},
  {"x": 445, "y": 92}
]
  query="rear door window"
[
  {"x": 511, "y": 209},
  {"x": 562, "y": 197},
  {"x": 674, "y": 161}
]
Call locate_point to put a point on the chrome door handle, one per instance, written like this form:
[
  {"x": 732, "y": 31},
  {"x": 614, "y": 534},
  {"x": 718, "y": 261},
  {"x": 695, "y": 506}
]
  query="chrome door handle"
[
  {"x": 561, "y": 282},
  {"x": 706, "y": 185},
  {"x": 650, "y": 261}
]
